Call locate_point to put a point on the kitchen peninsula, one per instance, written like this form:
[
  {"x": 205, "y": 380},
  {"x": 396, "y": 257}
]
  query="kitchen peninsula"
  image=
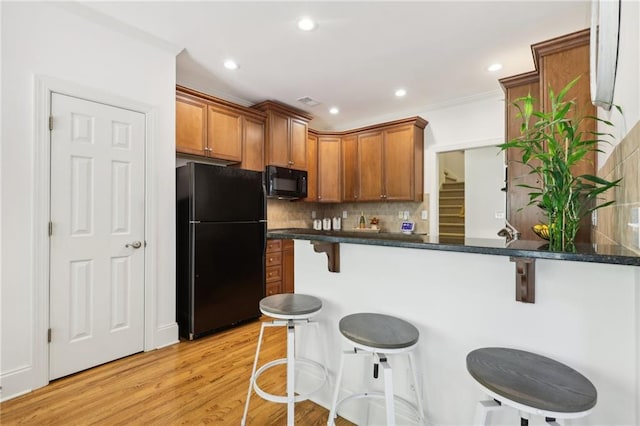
[{"x": 461, "y": 297}]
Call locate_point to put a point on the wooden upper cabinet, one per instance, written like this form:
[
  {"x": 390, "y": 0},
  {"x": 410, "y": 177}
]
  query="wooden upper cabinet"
[
  {"x": 399, "y": 164},
  {"x": 214, "y": 128},
  {"x": 278, "y": 140},
  {"x": 298, "y": 144},
  {"x": 287, "y": 130},
  {"x": 558, "y": 61},
  {"x": 312, "y": 168},
  {"x": 224, "y": 133},
  {"x": 350, "y": 168},
  {"x": 191, "y": 126},
  {"x": 370, "y": 166},
  {"x": 329, "y": 174},
  {"x": 376, "y": 163},
  {"x": 253, "y": 146}
]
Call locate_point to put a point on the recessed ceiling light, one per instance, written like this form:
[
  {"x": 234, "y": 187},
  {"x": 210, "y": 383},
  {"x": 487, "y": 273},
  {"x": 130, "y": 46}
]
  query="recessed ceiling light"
[
  {"x": 400, "y": 93},
  {"x": 306, "y": 24},
  {"x": 495, "y": 67},
  {"x": 334, "y": 110},
  {"x": 230, "y": 64}
]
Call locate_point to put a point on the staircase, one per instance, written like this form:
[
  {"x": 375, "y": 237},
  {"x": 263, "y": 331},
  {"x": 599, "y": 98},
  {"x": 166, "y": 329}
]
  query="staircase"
[{"x": 451, "y": 215}]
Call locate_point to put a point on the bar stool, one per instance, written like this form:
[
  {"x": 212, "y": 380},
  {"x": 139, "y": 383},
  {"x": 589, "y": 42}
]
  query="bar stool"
[
  {"x": 530, "y": 383},
  {"x": 379, "y": 335},
  {"x": 291, "y": 311}
]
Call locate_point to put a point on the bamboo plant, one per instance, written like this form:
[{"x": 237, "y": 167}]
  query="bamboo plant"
[{"x": 551, "y": 144}]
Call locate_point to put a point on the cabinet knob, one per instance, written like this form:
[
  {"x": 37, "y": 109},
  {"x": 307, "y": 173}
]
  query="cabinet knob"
[
  {"x": 381, "y": 196},
  {"x": 271, "y": 259},
  {"x": 291, "y": 163}
]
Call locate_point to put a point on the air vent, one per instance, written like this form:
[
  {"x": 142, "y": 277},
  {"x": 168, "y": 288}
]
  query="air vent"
[{"x": 309, "y": 101}]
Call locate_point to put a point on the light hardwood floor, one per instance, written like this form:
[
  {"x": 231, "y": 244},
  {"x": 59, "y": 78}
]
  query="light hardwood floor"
[{"x": 199, "y": 382}]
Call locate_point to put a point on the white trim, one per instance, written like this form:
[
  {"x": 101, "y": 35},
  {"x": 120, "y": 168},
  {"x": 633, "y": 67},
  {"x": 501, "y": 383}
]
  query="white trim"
[
  {"x": 44, "y": 87},
  {"x": 434, "y": 173},
  {"x": 97, "y": 17},
  {"x": 493, "y": 94}
]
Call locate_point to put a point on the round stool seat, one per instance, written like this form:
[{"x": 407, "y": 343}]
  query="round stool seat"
[
  {"x": 532, "y": 380},
  {"x": 285, "y": 305},
  {"x": 378, "y": 331}
]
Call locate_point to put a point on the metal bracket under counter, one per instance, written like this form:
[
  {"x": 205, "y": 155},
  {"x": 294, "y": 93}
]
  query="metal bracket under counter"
[
  {"x": 333, "y": 253},
  {"x": 525, "y": 279}
]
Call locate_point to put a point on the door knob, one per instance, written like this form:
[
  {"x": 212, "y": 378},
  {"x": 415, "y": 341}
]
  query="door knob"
[{"x": 135, "y": 245}]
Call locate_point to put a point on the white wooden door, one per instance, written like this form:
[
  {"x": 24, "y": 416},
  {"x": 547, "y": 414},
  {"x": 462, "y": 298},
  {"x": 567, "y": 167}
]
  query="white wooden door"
[{"x": 97, "y": 240}]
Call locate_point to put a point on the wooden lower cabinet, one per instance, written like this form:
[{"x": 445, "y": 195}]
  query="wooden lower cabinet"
[{"x": 279, "y": 277}]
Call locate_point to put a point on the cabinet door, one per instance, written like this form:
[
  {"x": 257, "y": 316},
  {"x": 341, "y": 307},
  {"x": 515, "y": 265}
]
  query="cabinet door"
[
  {"x": 191, "y": 126},
  {"x": 557, "y": 70},
  {"x": 329, "y": 187},
  {"x": 224, "y": 133},
  {"x": 370, "y": 166},
  {"x": 278, "y": 143},
  {"x": 518, "y": 214},
  {"x": 287, "y": 266},
  {"x": 312, "y": 168},
  {"x": 253, "y": 145},
  {"x": 349, "y": 168},
  {"x": 399, "y": 164},
  {"x": 298, "y": 144}
]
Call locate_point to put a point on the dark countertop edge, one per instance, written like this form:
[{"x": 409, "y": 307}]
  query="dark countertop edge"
[{"x": 498, "y": 251}]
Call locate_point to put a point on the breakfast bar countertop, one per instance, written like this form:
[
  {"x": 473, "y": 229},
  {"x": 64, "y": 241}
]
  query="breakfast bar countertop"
[{"x": 595, "y": 253}]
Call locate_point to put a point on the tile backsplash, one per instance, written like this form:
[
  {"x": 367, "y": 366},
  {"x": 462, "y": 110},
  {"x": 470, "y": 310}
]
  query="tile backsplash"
[
  {"x": 613, "y": 221},
  {"x": 297, "y": 214}
]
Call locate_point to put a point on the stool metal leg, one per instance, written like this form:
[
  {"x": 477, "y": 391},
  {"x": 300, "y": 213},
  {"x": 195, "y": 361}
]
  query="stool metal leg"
[
  {"x": 416, "y": 385},
  {"x": 290, "y": 373},
  {"x": 253, "y": 374},
  {"x": 336, "y": 392},
  {"x": 387, "y": 375}
]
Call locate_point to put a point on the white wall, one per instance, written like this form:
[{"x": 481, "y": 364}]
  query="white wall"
[
  {"x": 43, "y": 39},
  {"x": 483, "y": 199},
  {"x": 585, "y": 315},
  {"x": 627, "y": 87},
  {"x": 479, "y": 123}
]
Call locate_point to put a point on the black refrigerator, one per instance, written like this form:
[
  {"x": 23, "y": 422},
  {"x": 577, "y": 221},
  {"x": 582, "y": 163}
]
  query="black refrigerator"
[{"x": 221, "y": 239}]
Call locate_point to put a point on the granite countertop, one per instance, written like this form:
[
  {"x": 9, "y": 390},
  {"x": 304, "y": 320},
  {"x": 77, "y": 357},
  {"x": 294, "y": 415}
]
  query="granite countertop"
[{"x": 613, "y": 254}]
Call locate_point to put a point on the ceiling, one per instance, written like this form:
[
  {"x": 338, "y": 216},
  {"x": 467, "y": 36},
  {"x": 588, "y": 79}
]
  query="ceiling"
[{"x": 358, "y": 55}]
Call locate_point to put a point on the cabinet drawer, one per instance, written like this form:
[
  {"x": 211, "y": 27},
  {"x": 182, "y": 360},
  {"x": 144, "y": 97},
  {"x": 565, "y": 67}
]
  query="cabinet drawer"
[
  {"x": 273, "y": 259},
  {"x": 273, "y": 273},
  {"x": 273, "y": 288},
  {"x": 274, "y": 245}
]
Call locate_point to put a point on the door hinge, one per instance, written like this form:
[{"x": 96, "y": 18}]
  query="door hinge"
[
  {"x": 49, "y": 336},
  {"x": 51, "y": 122},
  {"x": 50, "y": 228}
]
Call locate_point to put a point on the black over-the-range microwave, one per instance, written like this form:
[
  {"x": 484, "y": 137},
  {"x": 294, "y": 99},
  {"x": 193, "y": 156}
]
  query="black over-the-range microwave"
[{"x": 284, "y": 183}]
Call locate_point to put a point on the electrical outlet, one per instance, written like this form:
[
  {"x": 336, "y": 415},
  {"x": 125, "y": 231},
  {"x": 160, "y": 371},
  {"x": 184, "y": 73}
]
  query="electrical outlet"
[
  {"x": 405, "y": 215},
  {"x": 313, "y": 214},
  {"x": 499, "y": 215},
  {"x": 345, "y": 214},
  {"x": 400, "y": 214},
  {"x": 424, "y": 215}
]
